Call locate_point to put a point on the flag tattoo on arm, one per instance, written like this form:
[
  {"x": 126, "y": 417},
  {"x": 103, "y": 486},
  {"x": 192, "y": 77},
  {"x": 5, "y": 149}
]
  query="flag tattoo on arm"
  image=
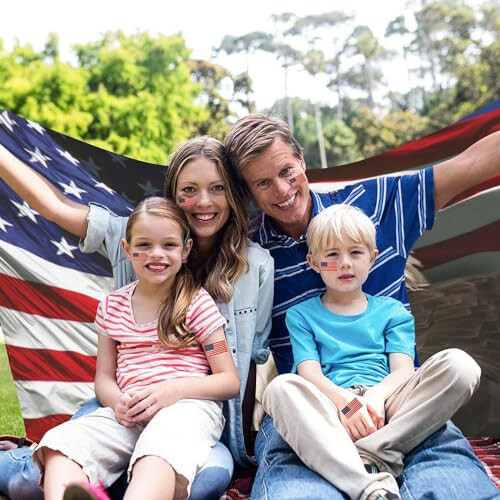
[
  {"x": 215, "y": 348},
  {"x": 351, "y": 408}
]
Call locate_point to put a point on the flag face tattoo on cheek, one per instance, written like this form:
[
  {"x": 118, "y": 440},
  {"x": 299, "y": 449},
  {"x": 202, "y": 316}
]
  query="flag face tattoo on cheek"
[
  {"x": 184, "y": 200},
  {"x": 139, "y": 256},
  {"x": 298, "y": 179},
  {"x": 328, "y": 265}
]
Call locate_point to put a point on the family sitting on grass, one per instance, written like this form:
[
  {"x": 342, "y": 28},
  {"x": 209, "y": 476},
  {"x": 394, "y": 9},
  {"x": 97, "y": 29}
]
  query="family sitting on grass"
[{"x": 354, "y": 419}]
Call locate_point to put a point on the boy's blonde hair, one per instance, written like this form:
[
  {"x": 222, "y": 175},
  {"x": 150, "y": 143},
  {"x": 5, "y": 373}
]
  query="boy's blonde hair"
[{"x": 334, "y": 223}]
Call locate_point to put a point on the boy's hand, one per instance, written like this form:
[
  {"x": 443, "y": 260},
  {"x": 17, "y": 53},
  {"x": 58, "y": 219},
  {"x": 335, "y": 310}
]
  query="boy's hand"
[
  {"x": 121, "y": 410},
  {"x": 376, "y": 406},
  {"x": 357, "y": 422},
  {"x": 146, "y": 403}
]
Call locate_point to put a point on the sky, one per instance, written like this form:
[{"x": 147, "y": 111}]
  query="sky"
[{"x": 203, "y": 24}]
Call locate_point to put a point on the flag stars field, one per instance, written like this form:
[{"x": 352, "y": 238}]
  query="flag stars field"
[
  {"x": 25, "y": 210},
  {"x": 101, "y": 185},
  {"x": 4, "y": 224},
  {"x": 63, "y": 247},
  {"x": 6, "y": 121},
  {"x": 68, "y": 156},
  {"x": 72, "y": 188},
  {"x": 38, "y": 157},
  {"x": 36, "y": 126}
]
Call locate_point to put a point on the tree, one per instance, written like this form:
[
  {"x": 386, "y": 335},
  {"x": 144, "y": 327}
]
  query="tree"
[
  {"x": 247, "y": 44},
  {"x": 367, "y": 76},
  {"x": 131, "y": 94},
  {"x": 213, "y": 78}
]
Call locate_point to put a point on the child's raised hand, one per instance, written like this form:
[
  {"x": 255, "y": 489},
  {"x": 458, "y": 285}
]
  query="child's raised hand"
[
  {"x": 356, "y": 418},
  {"x": 121, "y": 410},
  {"x": 146, "y": 403}
]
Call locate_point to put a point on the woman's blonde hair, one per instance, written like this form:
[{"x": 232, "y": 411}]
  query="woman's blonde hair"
[
  {"x": 334, "y": 223},
  {"x": 172, "y": 328},
  {"x": 229, "y": 259}
]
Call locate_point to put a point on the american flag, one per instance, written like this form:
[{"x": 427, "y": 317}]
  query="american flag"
[
  {"x": 328, "y": 265},
  {"x": 351, "y": 408},
  {"x": 216, "y": 348},
  {"x": 298, "y": 179},
  {"x": 49, "y": 290}
]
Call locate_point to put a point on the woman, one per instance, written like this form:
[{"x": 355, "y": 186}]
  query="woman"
[{"x": 235, "y": 271}]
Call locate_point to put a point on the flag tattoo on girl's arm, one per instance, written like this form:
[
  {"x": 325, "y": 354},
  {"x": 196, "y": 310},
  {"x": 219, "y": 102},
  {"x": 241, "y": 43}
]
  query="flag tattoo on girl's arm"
[{"x": 215, "y": 348}]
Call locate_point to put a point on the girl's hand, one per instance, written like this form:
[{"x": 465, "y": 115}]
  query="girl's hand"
[
  {"x": 376, "y": 406},
  {"x": 358, "y": 423},
  {"x": 146, "y": 403},
  {"x": 121, "y": 410}
]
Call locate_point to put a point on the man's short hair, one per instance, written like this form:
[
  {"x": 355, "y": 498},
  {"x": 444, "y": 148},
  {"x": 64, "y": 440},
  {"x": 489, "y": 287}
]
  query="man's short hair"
[
  {"x": 336, "y": 222},
  {"x": 252, "y": 135}
]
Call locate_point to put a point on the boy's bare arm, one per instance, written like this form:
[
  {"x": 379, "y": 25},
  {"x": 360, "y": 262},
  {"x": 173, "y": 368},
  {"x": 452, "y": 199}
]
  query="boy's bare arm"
[{"x": 402, "y": 368}]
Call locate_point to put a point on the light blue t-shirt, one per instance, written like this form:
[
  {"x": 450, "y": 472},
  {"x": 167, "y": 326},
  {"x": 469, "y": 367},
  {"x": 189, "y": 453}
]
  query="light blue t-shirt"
[{"x": 351, "y": 349}]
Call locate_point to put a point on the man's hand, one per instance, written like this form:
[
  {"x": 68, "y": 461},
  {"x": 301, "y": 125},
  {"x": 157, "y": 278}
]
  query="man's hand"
[
  {"x": 146, "y": 403},
  {"x": 121, "y": 410}
]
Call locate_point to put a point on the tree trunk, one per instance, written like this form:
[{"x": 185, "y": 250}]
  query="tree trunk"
[
  {"x": 289, "y": 112},
  {"x": 321, "y": 141}
]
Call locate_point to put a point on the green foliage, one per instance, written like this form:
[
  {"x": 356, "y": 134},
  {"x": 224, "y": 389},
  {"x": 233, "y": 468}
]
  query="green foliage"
[
  {"x": 11, "y": 421},
  {"x": 131, "y": 94},
  {"x": 376, "y": 134}
]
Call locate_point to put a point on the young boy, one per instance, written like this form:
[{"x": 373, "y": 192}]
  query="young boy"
[{"x": 354, "y": 354}]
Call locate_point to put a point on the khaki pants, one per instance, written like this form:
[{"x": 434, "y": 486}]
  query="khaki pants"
[{"x": 310, "y": 423}]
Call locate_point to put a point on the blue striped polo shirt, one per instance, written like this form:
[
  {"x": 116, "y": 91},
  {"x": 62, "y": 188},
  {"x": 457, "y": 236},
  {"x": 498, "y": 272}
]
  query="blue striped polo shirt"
[{"x": 401, "y": 207}]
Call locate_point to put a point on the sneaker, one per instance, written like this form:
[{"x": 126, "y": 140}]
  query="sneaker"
[
  {"x": 371, "y": 468},
  {"x": 85, "y": 491},
  {"x": 383, "y": 495}
]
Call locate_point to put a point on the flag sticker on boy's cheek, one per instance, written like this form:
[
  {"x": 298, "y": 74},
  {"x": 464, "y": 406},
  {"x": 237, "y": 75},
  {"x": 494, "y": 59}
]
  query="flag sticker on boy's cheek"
[
  {"x": 185, "y": 201},
  {"x": 298, "y": 179},
  {"x": 328, "y": 265},
  {"x": 140, "y": 256},
  {"x": 215, "y": 348}
]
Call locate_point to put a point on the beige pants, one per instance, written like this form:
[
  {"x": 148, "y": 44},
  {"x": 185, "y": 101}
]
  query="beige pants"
[
  {"x": 182, "y": 434},
  {"x": 310, "y": 423}
]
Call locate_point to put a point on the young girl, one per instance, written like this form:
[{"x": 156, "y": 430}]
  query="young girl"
[{"x": 163, "y": 365}]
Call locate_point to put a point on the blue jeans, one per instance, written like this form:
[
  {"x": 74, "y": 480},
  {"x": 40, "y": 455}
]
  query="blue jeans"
[
  {"x": 19, "y": 476},
  {"x": 443, "y": 467}
]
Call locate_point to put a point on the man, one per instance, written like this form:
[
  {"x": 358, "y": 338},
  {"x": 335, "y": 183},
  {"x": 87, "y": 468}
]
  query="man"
[{"x": 270, "y": 162}]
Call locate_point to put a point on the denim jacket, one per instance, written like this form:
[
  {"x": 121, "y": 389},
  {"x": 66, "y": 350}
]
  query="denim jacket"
[{"x": 248, "y": 313}]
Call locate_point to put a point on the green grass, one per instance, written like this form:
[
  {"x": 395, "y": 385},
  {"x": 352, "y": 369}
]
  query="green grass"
[{"x": 11, "y": 421}]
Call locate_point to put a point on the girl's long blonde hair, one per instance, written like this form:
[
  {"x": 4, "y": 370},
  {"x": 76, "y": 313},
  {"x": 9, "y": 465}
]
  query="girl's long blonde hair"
[
  {"x": 229, "y": 260},
  {"x": 172, "y": 328}
]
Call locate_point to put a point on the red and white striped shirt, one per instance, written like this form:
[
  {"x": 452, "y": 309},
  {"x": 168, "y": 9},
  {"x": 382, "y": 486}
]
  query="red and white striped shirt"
[{"x": 141, "y": 359}]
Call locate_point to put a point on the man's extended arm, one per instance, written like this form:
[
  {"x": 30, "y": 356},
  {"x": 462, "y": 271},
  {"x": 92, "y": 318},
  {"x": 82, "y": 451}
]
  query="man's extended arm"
[{"x": 476, "y": 164}]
